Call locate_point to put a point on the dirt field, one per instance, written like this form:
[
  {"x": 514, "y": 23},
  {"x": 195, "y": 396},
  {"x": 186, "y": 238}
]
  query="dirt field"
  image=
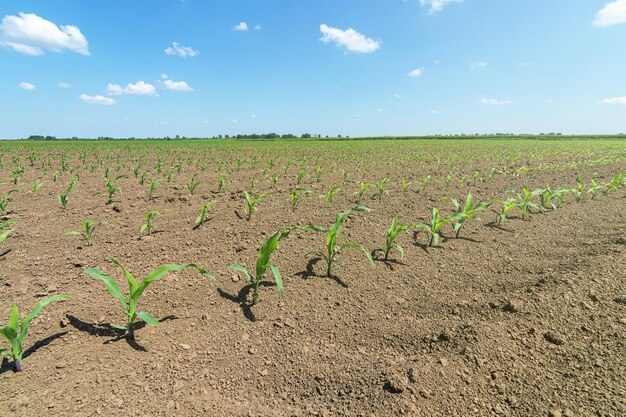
[{"x": 525, "y": 318}]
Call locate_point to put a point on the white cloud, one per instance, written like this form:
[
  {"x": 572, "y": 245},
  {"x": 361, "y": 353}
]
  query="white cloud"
[
  {"x": 180, "y": 50},
  {"x": 612, "y": 13},
  {"x": 140, "y": 88},
  {"x": 416, "y": 72},
  {"x": 437, "y": 5},
  {"x": 398, "y": 96},
  {"x": 478, "y": 65},
  {"x": 64, "y": 85},
  {"x": 102, "y": 100},
  {"x": 241, "y": 27},
  {"x": 434, "y": 111},
  {"x": 258, "y": 27},
  {"x": 27, "y": 86},
  {"x": 350, "y": 39},
  {"x": 204, "y": 122},
  {"x": 177, "y": 86},
  {"x": 30, "y": 34},
  {"x": 524, "y": 64},
  {"x": 494, "y": 102},
  {"x": 613, "y": 100},
  {"x": 253, "y": 115}
]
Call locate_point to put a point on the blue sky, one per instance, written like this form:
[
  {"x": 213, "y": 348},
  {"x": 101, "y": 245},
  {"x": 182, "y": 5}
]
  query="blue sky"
[{"x": 358, "y": 68}]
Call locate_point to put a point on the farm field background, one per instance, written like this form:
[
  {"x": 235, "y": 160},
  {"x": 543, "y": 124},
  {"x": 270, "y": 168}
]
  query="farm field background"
[{"x": 522, "y": 317}]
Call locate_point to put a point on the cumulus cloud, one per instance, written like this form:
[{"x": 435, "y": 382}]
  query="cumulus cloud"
[
  {"x": 612, "y": 13},
  {"x": 258, "y": 27},
  {"x": 140, "y": 88},
  {"x": 30, "y": 34},
  {"x": 478, "y": 65},
  {"x": 494, "y": 102},
  {"x": 613, "y": 100},
  {"x": 241, "y": 27},
  {"x": 27, "y": 86},
  {"x": 64, "y": 85},
  {"x": 181, "y": 50},
  {"x": 416, "y": 72},
  {"x": 435, "y": 6},
  {"x": 177, "y": 86},
  {"x": 350, "y": 39},
  {"x": 101, "y": 100}
]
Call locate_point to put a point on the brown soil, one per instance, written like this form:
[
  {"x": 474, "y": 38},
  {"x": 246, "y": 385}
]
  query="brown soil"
[{"x": 523, "y": 319}]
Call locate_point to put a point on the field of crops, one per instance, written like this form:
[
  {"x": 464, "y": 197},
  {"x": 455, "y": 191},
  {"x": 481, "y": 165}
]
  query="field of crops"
[{"x": 321, "y": 278}]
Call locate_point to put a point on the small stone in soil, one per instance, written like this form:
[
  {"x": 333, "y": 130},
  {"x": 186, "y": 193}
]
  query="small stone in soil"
[{"x": 553, "y": 338}]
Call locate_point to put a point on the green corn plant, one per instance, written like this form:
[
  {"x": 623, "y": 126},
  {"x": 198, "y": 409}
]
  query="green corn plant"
[
  {"x": 4, "y": 233},
  {"x": 507, "y": 205},
  {"x": 579, "y": 191},
  {"x": 467, "y": 211},
  {"x": 142, "y": 178},
  {"x": 89, "y": 230},
  {"x": 405, "y": 186},
  {"x": 359, "y": 194},
  {"x": 5, "y": 200},
  {"x": 251, "y": 203},
  {"x": 613, "y": 185},
  {"x": 203, "y": 211},
  {"x": 35, "y": 186},
  {"x": 221, "y": 182},
  {"x": 301, "y": 173},
  {"x": 318, "y": 173},
  {"x": 426, "y": 182},
  {"x": 463, "y": 181},
  {"x": 559, "y": 195},
  {"x": 476, "y": 177},
  {"x": 15, "y": 331},
  {"x": 295, "y": 196},
  {"x": 152, "y": 188},
  {"x": 65, "y": 197},
  {"x": 381, "y": 187},
  {"x": 55, "y": 176},
  {"x": 433, "y": 230},
  {"x": 135, "y": 290},
  {"x": 595, "y": 187},
  {"x": 263, "y": 263},
  {"x": 390, "y": 238},
  {"x": 274, "y": 179},
  {"x": 330, "y": 195},
  {"x": 192, "y": 184},
  {"x": 448, "y": 180},
  {"x": 149, "y": 226},
  {"x": 169, "y": 176},
  {"x": 333, "y": 248},
  {"x": 112, "y": 188},
  {"x": 545, "y": 198},
  {"x": 525, "y": 202}
]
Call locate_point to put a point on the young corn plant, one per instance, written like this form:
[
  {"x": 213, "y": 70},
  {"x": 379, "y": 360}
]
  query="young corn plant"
[
  {"x": 263, "y": 263},
  {"x": 15, "y": 331},
  {"x": 148, "y": 226},
  {"x": 405, "y": 186},
  {"x": 333, "y": 248},
  {"x": 330, "y": 195},
  {"x": 390, "y": 238},
  {"x": 426, "y": 182},
  {"x": 152, "y": 188},
  {"x": 89, "y": 230},
  {"x": 5, "y": 200},
  {"x": 251, "y": 203},
  {"x": 359, "y": 194},
  {"x": 203, "y": 211},
  {"x": 221, "y": 182},
  {"x": 381, "y": 188},
  {"x": 595, "y": 188},
  {"x": 112, "y": 188},
  {"x": 433, "y": 230},
  {"x": 65, "y": 197},
  {"x": 525, "y": 202},
  {"x": 613, "y": 185},
  {"x": 135, "y": 290},
  {"x": 192, "y": 184},
  {"x": 507, "y": 205},
  {"x": 466, "y": 212},
  {"x": 4, "y": 234},
  {"x": 295, "y": 196},
  {"x": 579, "y": 191},
  {"x": 35, "y": 186}
]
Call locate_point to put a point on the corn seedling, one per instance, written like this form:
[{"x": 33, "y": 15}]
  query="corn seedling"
[
  {"x": 192, "y": 184},
  {"x": 89, "y": 229},
  {"x": 390, "y": 239},
  {"x": 203, "y": 211},
  {"x": 579, "y": 191},
  {"x": 359, "y": 194},
  {"x": 35, "y": 186},
  {"x": 381, "y": 187},
  {"x": 405, "y": 186},
  {"x": 263, "y": 263},
  {"x": 112, "y": 188},
  {"x": 15, "y": 332},
  {"x": 152, "y": 188},
  {"x": 251, "y": 203},
  {"x": 525, "y": 202},
  {"x": 507, "y": 205},
  {"x": 332, "y": 247},
  {"x": 448, "y": 180},
  {"x": 330, "y": 195},
  {"x": 613, "y": 185},
  {"x": 433, "y": 230},
  {"x": 295, "y": 196},
  {"x": 426, "y": 182},
  {"x": 148, "y": 226},
  {"x": 467, "y": 211},
  {"x": 221, "y": 182},
  {"x": 595, "y": 187},
  {"x": 64, "y": 198},
  {"x": 318, "y": 173},
  {"x": 5, "y": 200},
  {"x": 135, "y": 289}
]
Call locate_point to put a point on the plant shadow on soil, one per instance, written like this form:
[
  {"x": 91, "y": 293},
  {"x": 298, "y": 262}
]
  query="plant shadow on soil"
[
  {"x": 242, "y": 298},
  {"x": 389, "y": 263},
  {"x": 309, "y": 272},
  {"x": 105, "y": 330},
  {"x": 9, "y": 366}
]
